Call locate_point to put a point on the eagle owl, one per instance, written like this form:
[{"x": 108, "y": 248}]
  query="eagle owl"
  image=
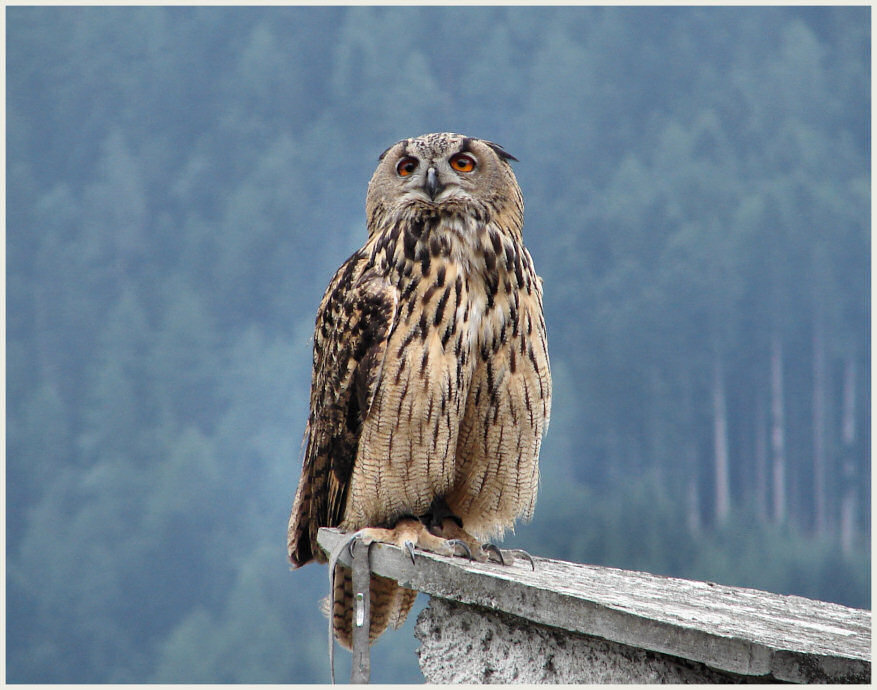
[{"x": 431, "y": 387}]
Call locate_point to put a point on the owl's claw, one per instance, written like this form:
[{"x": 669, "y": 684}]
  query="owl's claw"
[
  {"x": 497, "y": 555},
  {"x": 493, "y": 550},
  {"x": 463, "y": 546},
  {"x": 523, "y": 554},
  {"x": 409, "y": 547}
]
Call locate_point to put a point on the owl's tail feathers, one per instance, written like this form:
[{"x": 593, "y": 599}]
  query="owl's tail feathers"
[{"x": 390, "y": 605}]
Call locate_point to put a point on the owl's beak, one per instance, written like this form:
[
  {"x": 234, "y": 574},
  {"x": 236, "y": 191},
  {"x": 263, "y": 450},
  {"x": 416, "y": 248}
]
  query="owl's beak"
[{"x": 432, "y": 186}]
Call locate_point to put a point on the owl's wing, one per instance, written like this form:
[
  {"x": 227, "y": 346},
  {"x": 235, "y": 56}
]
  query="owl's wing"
[{"x": 354, "y": 322}]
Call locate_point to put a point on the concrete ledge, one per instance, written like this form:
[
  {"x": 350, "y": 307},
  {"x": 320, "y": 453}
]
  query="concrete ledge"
[
  {"x": 734, "y": 631},
  {"x": 468, "y": 644}
]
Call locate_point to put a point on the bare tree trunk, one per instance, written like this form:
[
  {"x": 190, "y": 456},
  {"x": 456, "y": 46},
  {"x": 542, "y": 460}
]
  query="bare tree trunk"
[
  {"x": 848, "y": 437},
  {"x": 820, "y": 506},
  {"x": 720, "y": 443},
  {"x": 761, "y": 481},
  {"x": 778, "y": 434},
  {"x": 692, "y": 508},
  {"x": 689, "y": 459}
]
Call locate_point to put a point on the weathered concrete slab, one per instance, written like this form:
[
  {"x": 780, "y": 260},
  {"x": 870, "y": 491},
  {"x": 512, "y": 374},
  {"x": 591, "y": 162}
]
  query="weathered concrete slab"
[
  {"x": 731, "y": 629},
  {"x": 461, "y": 643}
]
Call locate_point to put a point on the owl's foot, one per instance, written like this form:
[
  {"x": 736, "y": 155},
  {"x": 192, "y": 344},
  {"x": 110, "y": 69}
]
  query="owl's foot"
[
  {"x": 410, "y": 533},
  {"x": 441, "y": 521},
  {"x": 450, "y": 528}
]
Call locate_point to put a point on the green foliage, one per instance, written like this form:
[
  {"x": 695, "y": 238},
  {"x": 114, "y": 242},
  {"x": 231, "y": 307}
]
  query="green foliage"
[{"x": 182, "y": 182}]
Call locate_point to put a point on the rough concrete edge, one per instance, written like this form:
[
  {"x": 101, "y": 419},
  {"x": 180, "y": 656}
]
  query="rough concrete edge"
[
  {"x": 682, "y": 665},
  {"x": 446, "y": 578},
  {"x": 797, "y": 667}
]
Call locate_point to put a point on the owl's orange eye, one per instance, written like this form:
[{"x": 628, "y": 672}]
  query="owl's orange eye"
[
  {"x": 406, "y": 166},
  {"x": 463, "y": 163}
]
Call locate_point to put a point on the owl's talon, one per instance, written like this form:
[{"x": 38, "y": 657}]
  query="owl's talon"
[
  {"x": 506, "y": 556},
  {"x": 455, "y": 543},
  {"x": 523, "y": 554},
  {"x": 409, "y": 546},
  {"x": 493, "y": 549}
]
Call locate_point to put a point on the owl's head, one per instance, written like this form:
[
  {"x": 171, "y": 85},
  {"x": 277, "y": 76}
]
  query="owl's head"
[{"x": 441, "y": 173}]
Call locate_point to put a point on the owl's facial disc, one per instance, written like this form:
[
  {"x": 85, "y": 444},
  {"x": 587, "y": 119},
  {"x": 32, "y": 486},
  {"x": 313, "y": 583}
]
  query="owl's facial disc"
[
  {"x": 436, "y": 177},
  {"x": 422, "y": 178},
  {"x": 444, "y": 181}
]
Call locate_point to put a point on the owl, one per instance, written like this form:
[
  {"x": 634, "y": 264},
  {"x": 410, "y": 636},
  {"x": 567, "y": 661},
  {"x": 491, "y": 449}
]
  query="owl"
[{"x": 431, "y": 386}]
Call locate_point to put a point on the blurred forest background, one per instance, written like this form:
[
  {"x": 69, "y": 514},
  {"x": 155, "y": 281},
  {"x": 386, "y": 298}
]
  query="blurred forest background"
[{"x": 183, "y": 182}]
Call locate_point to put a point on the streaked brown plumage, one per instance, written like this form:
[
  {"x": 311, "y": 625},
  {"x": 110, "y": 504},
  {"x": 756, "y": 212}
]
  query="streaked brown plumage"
[{"x": 431, "y": 377}]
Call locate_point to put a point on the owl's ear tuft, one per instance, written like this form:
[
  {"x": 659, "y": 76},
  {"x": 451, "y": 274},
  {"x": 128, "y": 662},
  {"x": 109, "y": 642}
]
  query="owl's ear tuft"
[
  {"x": 387, "y": 150},
  {"x": 500, "y": 151}
]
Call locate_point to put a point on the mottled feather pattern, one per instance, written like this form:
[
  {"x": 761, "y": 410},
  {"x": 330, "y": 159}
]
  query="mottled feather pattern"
[
  {"x": 389, "y": 602},
  {"x": 353, "y": 322},
  {"x": 431, "y": 376},
  {"x": 320, "y": 495},
  {"x": 467, "y": 356}
]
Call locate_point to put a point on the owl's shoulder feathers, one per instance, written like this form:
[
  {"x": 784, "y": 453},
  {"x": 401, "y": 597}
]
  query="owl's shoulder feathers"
[{"x": 353, "y": 324}]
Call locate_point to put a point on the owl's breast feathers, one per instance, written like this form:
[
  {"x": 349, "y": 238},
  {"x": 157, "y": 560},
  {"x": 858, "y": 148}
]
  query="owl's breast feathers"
[{"x": 431, "y": 378}]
